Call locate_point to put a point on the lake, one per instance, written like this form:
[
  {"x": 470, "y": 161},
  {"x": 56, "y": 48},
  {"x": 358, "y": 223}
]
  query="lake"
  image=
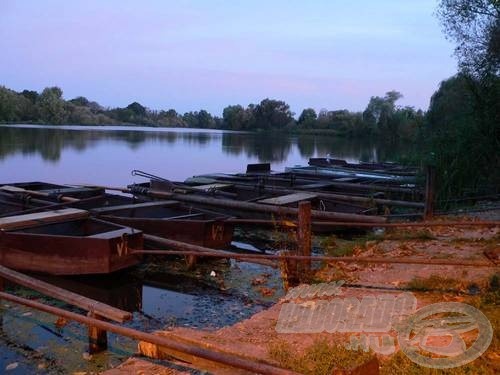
[
  {"x": 107, "y": 155},
  {"x": 160, "y": 294}
]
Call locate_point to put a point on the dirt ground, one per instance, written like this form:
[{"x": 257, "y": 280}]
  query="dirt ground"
[{"x": 258, "y": 339}]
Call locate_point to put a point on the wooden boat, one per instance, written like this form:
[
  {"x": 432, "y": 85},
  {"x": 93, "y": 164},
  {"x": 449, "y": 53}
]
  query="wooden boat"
[
  {"x": 55, "y": 191},
  {"x": 322, "y": 187},
  {"x": 252, "y": 194},
  {"x": 10, "y": 205},
  {"x": 335, "y": 172},
  {"x": 172, "y": 220},
  {"x": 392, "y": 168},
  {"x": 67, "y": 242}
]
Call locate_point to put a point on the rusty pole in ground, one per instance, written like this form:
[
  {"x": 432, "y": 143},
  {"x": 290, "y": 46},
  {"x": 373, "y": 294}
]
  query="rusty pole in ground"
[
  {"x": 430, "y": 186},
  {"x": 304, "y": 238}
]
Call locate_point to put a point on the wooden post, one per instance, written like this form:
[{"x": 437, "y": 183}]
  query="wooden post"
[
  {"x": 98, "y": 338},
  {"x": 304, "y": 236},
  {"x": 191, "y": 261},
  {"x": 430, "y": 182}
]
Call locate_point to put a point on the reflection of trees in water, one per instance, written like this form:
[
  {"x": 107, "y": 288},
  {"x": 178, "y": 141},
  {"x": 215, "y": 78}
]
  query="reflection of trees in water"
[
  {"x": 198, "y": 138},
  {"x": 266, "y": 147},
  {"x": 275, "y": 147},
  {"x": 362, "y": 149},
  {"x": 272, "y": 147},
  {"x": 49, "y": 143}
]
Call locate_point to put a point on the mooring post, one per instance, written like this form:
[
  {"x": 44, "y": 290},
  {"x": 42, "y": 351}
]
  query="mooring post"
[
  {"x": 98, "y": 338},
  {"x": 304, "y": 236},
  {"x": 430, "y": 182},
  {"x": 191, "y": 261}
]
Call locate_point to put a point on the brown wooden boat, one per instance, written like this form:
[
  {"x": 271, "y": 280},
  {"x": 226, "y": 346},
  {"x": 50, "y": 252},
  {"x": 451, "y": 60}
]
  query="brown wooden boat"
[
  {"x": 173, "y": 220},
  {"x": 170, "y": 219},
  {"x": 67, "y": 242}
]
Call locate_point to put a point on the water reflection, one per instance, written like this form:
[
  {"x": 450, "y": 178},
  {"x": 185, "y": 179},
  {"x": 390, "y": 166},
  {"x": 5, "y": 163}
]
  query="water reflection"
[
  {"x": 51, "y": 143},
  {"x": 162, "y": 298},
  {"x": 265, "y": 147}
]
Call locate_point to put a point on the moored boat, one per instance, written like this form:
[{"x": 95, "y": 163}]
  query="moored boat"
[
  {"x": 173, "y": 220},
  {"x": 337, "y": 172},
  {"x": 67, "y": 242}
]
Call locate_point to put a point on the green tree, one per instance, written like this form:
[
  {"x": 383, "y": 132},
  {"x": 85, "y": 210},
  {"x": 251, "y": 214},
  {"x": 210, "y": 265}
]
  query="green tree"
[
  {"x": 51, "y": 106},
  {"x": 205, "y": 120},
  {"x": 137, "y": 109},
  {"x": 307, "y": 118},
  {"x": 32, "y": 96},
  {"x": 464, "y": 113},
  {"x": 272, "y": 114},
  {"x": 233, "y": 117},
  {"x": 7, "y": 105},
  {"x": 80, "y": 101},
  {"x": 379, "y": 114},
  {"x": 474, "y": 25},
  {"x": 464, "y": 144}
]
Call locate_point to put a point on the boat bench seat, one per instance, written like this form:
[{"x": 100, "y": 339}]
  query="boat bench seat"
[
  {"x": 288, "y": 199},
  {"x": 39, "y": 218}
]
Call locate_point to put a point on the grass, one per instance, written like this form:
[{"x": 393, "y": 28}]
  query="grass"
[
  {"x": 488, "y": 302},
  {"x": 434, "y": 283},
  {"x": 341, "y": 248},
  {"x": 335, "y": 246},
  {"x": 406, "y": 235},
  {"x": 399, "y": 363},
  {"x": 321, "y": 358}
]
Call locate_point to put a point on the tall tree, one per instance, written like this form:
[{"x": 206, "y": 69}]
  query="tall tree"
[
  {"x": 51, "y": 106},
  {"x": 465, "y": 112},
  {"x": 307, "y": 118},
  {"x": 272, "y": 114},
  {"x": 474, "y": 25},
  {"x": 379, "y": 113}
]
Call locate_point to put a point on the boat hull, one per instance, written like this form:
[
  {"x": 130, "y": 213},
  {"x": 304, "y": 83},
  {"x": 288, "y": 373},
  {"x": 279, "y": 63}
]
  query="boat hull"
[
  {"x": 58, "y": 250},
  {"x": 208, "y": 233}
]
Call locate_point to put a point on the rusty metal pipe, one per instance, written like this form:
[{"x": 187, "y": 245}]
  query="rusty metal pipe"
[
  {"x": 220, "y": 254},
  {"x": 327, "y": 224},
  {"x": 224, "y": 358}
]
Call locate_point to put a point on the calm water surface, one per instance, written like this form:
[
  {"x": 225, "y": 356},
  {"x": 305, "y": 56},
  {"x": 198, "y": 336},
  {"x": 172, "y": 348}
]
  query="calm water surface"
[{"x": 106, "y": 155}]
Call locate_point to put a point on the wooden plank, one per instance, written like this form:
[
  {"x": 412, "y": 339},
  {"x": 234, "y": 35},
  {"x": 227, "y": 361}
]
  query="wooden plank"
[
  {"x": 30, "y": 220},
  {"x": 80, "y": 301},
  {"x": 15, "y": 189},
  {"x": 318, "y": 185},
  {"x": 209, "y": 187},
  {"x": 133, "y": 205},
  {"x": 288, "y": 199}
]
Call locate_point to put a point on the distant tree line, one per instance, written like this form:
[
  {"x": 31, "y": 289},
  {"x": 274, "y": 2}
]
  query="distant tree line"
[{"x": 381, "y": 117}]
